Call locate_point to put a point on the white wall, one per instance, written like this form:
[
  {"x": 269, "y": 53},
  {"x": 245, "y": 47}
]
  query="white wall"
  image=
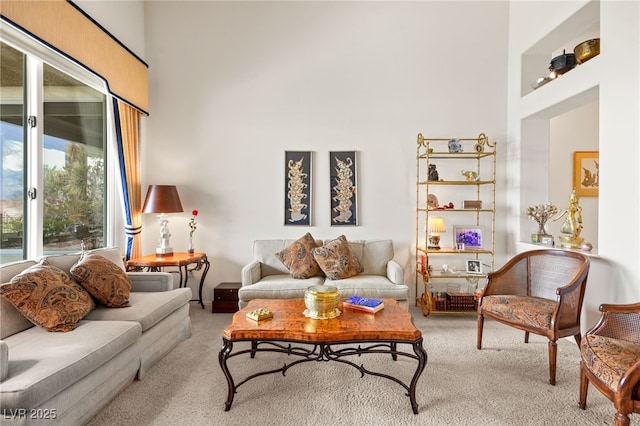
[
  {"x": 614, "y": 276},
  {"x": 123, "y": 19},
  {"x": 235, "y": 84}
]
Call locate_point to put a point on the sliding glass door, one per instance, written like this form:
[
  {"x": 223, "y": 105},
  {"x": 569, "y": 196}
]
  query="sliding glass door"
[{"x": 53, "y": 135}]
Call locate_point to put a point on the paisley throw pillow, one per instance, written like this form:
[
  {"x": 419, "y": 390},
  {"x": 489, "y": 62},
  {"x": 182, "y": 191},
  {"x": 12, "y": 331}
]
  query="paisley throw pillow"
[
  {"x": 299, "y": 259},
  {"x": 103, "y": 279},
  {"x": 47, "y": 297},
  {"x": 337, "y": 260}
]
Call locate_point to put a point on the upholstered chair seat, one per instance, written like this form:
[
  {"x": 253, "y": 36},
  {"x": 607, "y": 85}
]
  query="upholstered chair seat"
[{"x": 610, "y": 359}]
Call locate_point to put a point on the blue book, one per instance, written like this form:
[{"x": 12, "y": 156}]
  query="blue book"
[{"x": 363, "y": 301}]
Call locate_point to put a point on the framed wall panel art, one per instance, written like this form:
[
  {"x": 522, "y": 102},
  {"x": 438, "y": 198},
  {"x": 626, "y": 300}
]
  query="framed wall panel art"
[
  {"x": 586, "y": 173},
  {"x": 297, "y": 187},
  {"x": 342, "y": 175}
]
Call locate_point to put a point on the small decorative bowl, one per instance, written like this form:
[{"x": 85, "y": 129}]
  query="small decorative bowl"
[
  {"x": 563, "y": 63},
  {"x": 321, "y": 302},
  {"x": 587, "y": 50}
]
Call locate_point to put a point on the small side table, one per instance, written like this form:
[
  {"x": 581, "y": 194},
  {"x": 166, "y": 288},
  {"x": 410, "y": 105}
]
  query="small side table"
[{"x": 181, "y": 260}]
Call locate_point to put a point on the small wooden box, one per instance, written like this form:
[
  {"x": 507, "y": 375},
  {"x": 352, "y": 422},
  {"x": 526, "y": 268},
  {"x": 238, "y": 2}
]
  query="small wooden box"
[
  {"x": 472, "y": 204},
  {"x": 225, "y": 298}
]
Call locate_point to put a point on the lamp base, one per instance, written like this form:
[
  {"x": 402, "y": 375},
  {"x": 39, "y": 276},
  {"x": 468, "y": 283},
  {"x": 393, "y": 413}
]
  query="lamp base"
[
  {"x": 164, "y": 250},
  {"x": 434, "y": 242}
]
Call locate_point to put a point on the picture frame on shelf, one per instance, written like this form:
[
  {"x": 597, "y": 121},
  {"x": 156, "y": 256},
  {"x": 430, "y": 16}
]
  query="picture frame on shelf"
[
  {"x": 586, "y": 173},
  {"x": 546, "y": 240},
  {"x": 474, "y": 266},
  {"x": 460, "y": 246},
  {"x": 469, "y": 235},
  {"x": 297, "y": 187}
]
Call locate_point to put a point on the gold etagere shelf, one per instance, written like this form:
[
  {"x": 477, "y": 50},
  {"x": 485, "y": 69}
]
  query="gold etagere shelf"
[{"x": 477, "y": 185}]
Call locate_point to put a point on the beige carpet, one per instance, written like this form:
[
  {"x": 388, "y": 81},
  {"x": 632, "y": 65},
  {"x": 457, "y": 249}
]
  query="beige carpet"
[{"x": 506, "y": 383}]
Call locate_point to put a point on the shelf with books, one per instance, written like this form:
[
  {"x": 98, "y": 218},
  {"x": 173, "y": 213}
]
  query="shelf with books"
[{"x": 462, "y": 174}]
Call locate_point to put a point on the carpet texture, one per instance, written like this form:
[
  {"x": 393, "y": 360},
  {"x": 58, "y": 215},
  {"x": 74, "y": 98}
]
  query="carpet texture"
[{"x": 505, "y": 383}]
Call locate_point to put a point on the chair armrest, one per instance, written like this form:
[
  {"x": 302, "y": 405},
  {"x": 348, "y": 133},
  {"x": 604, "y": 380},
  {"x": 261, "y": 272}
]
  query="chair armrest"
[
  {"x": 4, "y": 360},
  {"x": 628, "y": 383},
  {"x": 570, "y": 301},
  {"x": 150, "y": 281},
  {"x": 395, "y": 272},
  {"x": 251, "y": 273}
]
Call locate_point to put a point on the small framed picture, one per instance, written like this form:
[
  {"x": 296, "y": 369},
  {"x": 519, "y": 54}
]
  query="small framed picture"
[
  {"x": 469, "y": 235},
  {"x": 586, "y": 173},
  {"x": 460, "y": 246},
  {"x": 546, "y": 240},
  {"x": 474, "y": 266}
]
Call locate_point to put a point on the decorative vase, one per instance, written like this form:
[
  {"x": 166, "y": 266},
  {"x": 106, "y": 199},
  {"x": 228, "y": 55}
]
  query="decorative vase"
[{"x": 190, "y": 249}]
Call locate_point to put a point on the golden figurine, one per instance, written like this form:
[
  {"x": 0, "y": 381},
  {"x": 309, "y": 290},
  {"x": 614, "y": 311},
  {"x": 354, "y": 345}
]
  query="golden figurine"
[
  {"x": 572, "y": 225},
  {"x": 470, "y": 175}
]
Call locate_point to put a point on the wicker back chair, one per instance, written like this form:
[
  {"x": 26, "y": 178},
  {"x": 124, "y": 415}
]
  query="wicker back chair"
[
  {"x": 610, "y": 354},
  {"x": 540, "y": 292}
]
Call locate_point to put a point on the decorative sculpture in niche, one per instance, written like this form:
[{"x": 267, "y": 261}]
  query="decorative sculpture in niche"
[
  {"x": 572, "y": 225},
  {"x": 541, "y": 214}
]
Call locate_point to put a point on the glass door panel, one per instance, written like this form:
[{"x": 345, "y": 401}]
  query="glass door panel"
[
  {"x": 74, "y": 154},
  {"x": 12, "y": 144}
]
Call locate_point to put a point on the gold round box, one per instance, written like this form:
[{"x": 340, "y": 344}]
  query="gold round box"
[{"x": 321, "y": 302}]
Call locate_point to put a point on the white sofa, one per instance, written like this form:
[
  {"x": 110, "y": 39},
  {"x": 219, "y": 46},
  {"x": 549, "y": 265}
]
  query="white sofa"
[
  {"x": 67, "y": 377},
  {"x": 265, "y": 277}
]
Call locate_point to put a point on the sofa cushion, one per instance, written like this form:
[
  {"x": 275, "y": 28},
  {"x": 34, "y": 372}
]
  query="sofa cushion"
[
  {"x": 337, "y": 259},
  {"x": 103, "y": 279},
  {"x": 147, "y": 308},
  {"x": 66, "y": 261},
  {"x": 48, "y": 297},
  {"x": 298, "y": 257},
  {"x": 35, "y": 376},
  {"x": 376, "y": 254},
  {"x": 372, "y": 286},
  {"x": 282, "y": 286},
  {"x": 264, "y": 252}
]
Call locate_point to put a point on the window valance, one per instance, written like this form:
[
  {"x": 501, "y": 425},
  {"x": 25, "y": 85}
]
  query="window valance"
[{"x": 60, "y": 24}]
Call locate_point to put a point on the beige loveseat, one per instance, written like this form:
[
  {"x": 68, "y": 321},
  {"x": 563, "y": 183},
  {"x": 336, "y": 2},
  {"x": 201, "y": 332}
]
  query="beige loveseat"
[
  {"x": 265, "y": 277},
  {"x": 67, "y": 377}
]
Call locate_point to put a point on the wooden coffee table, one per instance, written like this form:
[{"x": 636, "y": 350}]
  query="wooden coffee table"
[{"x": 292, "y": 333}]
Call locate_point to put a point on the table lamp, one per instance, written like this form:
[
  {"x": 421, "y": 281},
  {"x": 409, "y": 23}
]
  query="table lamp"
[
  {"x": 163, "y": 199},
  {"x": 435, "y": 226}
]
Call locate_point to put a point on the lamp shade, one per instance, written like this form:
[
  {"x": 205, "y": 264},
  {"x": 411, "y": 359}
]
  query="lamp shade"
[
  {"x": 162, "y": 199},
  {"x": 435, "y": 225}
]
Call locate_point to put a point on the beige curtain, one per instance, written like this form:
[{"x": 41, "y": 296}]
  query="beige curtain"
[{"x": 127, "y": 129}]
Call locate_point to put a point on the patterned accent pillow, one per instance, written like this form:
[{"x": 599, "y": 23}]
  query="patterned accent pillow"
[
  {"x": 299, "y": 259},
  {"x": 103, "y": 279},
  {"x": 337, "y": 260},
  {"x": 48, "y": 297}
]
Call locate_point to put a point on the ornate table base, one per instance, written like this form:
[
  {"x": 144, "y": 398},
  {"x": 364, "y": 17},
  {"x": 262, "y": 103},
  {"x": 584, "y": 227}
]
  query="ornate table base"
[{"x": 351, "y": 334}]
